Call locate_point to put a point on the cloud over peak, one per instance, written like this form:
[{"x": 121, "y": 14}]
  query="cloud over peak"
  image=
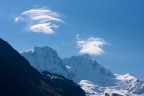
[
  {"x": 91, "y": 46},
  {"x": 40, "y": 20}
]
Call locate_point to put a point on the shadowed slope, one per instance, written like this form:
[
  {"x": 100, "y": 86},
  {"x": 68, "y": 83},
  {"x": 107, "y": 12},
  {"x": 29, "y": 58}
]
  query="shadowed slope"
[{"x": 18, "y": 78}]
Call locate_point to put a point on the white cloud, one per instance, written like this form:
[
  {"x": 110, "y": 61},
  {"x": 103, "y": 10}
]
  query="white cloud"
[
  {"x": 40, "y": 20},
  {"x": 44, "y": 27},
  {"x": 91, "y": 46}
]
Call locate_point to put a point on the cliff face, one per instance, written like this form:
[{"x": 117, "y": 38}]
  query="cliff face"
[{"x": 19, "y": 78}]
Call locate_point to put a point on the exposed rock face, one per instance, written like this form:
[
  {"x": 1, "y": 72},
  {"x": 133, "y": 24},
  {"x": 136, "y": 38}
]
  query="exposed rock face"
[{"x": 19, "y": 78}]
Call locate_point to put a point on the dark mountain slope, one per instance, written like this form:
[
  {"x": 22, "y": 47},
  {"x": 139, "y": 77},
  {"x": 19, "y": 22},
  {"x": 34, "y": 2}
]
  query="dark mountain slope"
[{"x": 18, "y": 78}]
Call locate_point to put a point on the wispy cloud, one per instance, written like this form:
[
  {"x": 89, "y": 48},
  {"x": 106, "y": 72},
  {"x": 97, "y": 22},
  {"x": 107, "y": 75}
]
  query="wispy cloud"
[
  {"x": 91, "y": 45},
  {"x": 40, "y": 20}
]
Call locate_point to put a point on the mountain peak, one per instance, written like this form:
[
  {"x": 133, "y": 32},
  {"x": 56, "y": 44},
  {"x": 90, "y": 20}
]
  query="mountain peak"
[
  {"x": 84, "y": 66},
  {"x": 76, "y": 67},
  {"x": 43, "y": 48},
  {"x": 39, "y": 49},
  {"x": 45, "y": 59}
]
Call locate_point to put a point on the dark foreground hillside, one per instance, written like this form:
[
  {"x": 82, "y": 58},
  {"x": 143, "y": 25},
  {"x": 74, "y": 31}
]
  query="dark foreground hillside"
[{"x": 18, "y": 78}]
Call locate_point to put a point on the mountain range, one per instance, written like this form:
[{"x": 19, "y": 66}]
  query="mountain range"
[
  {"x": 19, "y": 78},
  {"x": 94, "y": 79}
]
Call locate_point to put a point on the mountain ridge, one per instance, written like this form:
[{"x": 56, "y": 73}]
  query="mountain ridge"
[
  {"x": 43, "y": 59},
  {"x": 39, "y": 60},
  {"x": 19, "y": 78},
  {"x": 98, "y": 80}
]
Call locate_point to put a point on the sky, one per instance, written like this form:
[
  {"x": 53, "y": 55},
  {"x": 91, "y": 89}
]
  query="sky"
[{"x": 111, "y": 31}]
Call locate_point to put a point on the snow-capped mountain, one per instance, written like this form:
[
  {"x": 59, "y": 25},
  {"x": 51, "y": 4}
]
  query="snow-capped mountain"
[
  {"x": 127, "y": 85},
  {"x": 95, "y": 79},
  {"x": 86, "y": 68},
  {"x": 77, "y": 67},
  {"x": 45, "y": 59}
]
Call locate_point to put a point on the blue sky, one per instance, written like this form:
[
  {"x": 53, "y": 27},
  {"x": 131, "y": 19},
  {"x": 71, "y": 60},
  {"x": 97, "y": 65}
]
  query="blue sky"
[{"x": 116, "y": 27}]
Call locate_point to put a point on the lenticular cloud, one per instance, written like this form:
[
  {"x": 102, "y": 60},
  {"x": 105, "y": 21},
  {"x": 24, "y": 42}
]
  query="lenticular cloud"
[
  {"x": 40, "y": 20},
  {"x": 91, "y": 46}
]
